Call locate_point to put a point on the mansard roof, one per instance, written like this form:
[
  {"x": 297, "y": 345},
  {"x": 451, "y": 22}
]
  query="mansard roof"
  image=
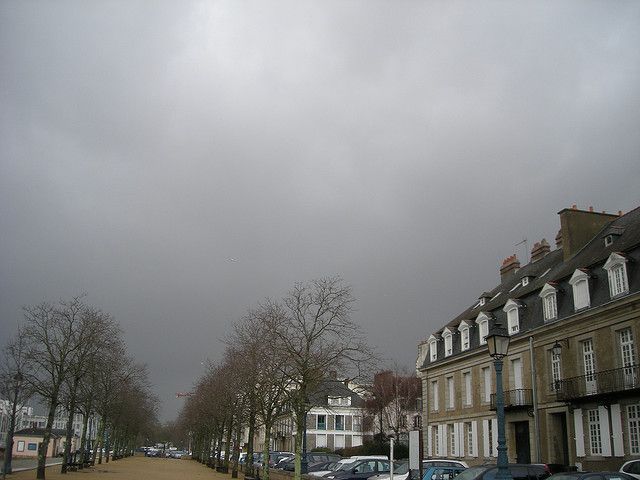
[{"x": 552, "y": 268}]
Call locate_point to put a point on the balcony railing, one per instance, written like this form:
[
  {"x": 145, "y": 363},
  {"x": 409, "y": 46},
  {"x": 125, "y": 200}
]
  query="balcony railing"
[
  {"x": 600, "y": 383},
  {"x": 520, "y": 397}
]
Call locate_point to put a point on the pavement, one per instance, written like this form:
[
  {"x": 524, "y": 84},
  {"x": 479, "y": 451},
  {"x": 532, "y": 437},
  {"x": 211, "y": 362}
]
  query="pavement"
[
  {"x": 133, "y": 468},
  {"x": 21, "y": 464}
]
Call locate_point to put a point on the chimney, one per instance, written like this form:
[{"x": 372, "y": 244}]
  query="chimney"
[
  {"x": 559, "y": 239},
  {"x": 578, "y": 227},
  {"x": 539, "y": 250},
  {"x": 510, "y": 266}
]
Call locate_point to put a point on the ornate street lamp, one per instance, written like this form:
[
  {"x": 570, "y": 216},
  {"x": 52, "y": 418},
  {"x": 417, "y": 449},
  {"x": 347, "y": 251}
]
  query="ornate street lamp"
[{"x": 498, "y": 343}]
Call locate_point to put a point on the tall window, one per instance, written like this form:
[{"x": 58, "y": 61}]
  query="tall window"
[
  {"x": 464, "y": 336},
  {"x": 486, "y": 382},
  {"x": 556, "y": 372},
  {"x": 490, "y": 436},
  {"x": 322, "y": 422},
  {"x": 483, "y": 327},
  {"x": 628, "y": 356},
  {"x": 357, "y": 423},
  {"x": 433, "y": 349},
  {"x": 448, "y": 342},
  {"x": 339, "y": 422},
  {"x": 451, "y": 436},
  {"x": 513, "y": 320},
  {"x": 436, "y": 440},
  {"x": 466, "y": 380},
  {"x": 589, "y": 364},
  {"x": 580, "y": 284},
  {"x": 549, "y": 302},
  {"x": 450, "y": 393},
  {"x": 616, "y": 267},
  {"x": 434, "y": 396},
  {"x": 633, "y": 419},
  {"x": 468, "y": 429},
  {"x": 595, "y": 438},
  {"x": 550, "y": 307}
]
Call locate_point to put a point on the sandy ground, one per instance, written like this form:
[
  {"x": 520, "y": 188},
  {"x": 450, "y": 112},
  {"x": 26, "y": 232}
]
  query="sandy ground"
[{"x": 134, "y": 468}]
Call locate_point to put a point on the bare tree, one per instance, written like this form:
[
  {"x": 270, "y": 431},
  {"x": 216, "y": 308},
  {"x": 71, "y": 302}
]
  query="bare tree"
[
  {"x": 12, "y": 373},
  {"x": 393, "y": 398},
  {"x": 318, "y": 335},
  {"x": 52, "y": 336}
]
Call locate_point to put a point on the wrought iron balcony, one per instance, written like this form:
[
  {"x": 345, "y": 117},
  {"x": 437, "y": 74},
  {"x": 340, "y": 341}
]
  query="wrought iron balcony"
[
  {"x": 513, "y": 399},
  {"x": 600, "y": 383}
]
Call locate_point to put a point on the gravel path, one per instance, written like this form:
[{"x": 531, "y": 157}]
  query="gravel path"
[{"x": 133, "y": 468}]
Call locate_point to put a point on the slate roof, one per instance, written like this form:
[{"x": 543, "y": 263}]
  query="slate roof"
[
  {"x": 553, "y": 269},
  {"x": 39, "y": 432},
  {"x": 333, "y": 388}
]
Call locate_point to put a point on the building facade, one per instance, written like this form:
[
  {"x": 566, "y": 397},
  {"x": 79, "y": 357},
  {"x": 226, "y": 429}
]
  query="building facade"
[
  {"x": 334, "y": 421},
  {"x": 577, "y": 403}
]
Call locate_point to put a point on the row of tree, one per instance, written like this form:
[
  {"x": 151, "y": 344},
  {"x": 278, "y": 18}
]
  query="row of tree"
[
  {"x": 276, "y": 355},
  {"x": 71, "y": 357}
]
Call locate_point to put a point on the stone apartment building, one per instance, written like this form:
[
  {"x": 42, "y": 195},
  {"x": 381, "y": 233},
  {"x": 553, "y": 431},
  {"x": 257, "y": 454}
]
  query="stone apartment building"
[{"x": 577, "y": 403}]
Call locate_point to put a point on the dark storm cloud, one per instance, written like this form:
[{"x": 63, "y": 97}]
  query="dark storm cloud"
[{"x": 179, "y": 161}]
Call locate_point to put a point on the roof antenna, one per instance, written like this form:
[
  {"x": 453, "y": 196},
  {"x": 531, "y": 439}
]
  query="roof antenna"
[{"x": 524, "y": 242}]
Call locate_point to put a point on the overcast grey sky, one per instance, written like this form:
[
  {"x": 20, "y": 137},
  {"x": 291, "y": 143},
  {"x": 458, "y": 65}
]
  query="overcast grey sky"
[{"x": 179, "y": 161}]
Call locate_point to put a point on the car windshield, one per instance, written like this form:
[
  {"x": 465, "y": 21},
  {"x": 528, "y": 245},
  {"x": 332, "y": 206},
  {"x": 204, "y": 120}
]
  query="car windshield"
[
  {"x": 345, "y": 466},
  {"x": 471, "y": 473}
]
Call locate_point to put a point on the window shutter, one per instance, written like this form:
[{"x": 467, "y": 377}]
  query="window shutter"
[
  {"x": 579, "y": 431},
  {"x": 460, "y": 439},
  {"x": 474, "y": 437},
  {"x": 494, "y": 430},
  {"x": 616, "y": 427},
  {"x": 606, "y": 432},
  {"x": 485, "y": 438},
  {"x": 429, "y": 441},
  {"x": 444, "y": 440}
]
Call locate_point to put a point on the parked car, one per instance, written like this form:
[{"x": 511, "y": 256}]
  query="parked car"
[
  {"x": 591, "y": 476},
  {"x": 177, "y": 454},
  {"x": 443, "y": 462},
  {"x": 442, "y": 473},
  {"x": 519, "y": 471},
  {"x": 324, "y": 469},
  {"x": 275, "y": 457},
  {"x": 400, "y": 472},
  {"x": 313, "y": 459},
  {"x": 632, "y": 467},
  {"x": 360, "y": 469}
]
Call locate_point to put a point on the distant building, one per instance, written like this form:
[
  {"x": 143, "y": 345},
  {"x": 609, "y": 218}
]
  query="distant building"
[
  {"x": 27, "y": 440},
  {"x": 334, "y": 422},
  {"x": 581, "y": 406}
]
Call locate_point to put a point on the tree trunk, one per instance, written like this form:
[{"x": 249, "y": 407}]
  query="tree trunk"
[
  {"x": 248, "y": 465},
  {"x": 236, "y": 448},
  {"x": 66, "y": 456},
  {"x": 44, "y": 446},
  {"x": 83, "y": 439},
  {"x": 227, "y": 447},
  {"x": 298, "y": 450},
  {"x": 265, "y": 449},
  {"x": 8, "y": 451}
]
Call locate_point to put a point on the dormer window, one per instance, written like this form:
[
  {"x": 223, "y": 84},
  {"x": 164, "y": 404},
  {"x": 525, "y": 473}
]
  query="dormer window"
[
  {"x": 608, "y": 240},
  {"x": 433, "y": 348},
  {"x": 513, "y": 317},
  {"x": 465, "y": 336},
  {"x": 525, "y": 281},
  {"x": 580, "y": 284},
  {"x": 612, "y": 234},
  {"x": 483, "y": 327},
  {"x": 549, "y": 302},
  {"x": 482, "y": 301},
  {"x": 616, "y": 267},
  {"x": 447, "y": 335}
]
